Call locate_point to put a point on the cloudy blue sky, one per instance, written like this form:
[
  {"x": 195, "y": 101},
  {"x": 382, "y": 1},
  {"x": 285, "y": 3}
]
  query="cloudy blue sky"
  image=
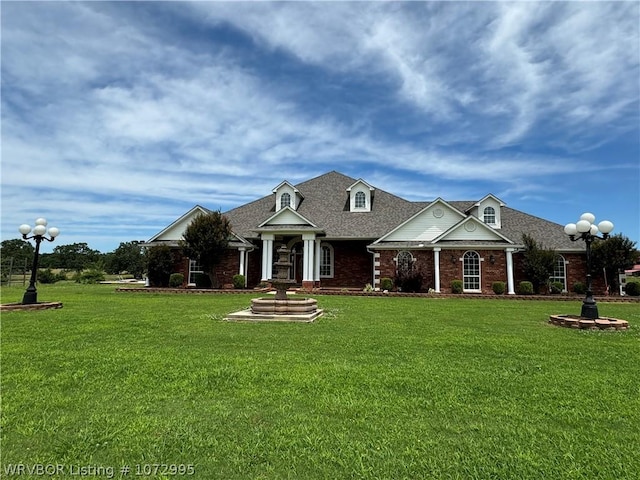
[{"x": 119, "y": 117}]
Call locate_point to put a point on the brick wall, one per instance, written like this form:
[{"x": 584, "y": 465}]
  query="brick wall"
[
  {"x": 576, "y": 271},
  {"x": 353, "y": 265},
  {"x": 493, "y": 268},
  {"x": 254, "y": 268},
  {"x": 181, "y": 265},
  {"x": 450, "y": 268},
  {"x": 228, "y": 267}
]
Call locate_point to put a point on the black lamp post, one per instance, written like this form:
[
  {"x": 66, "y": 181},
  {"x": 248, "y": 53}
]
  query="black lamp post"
[
  {"x": 31, "y": 295},
  {"x": 585, "y": 229}
]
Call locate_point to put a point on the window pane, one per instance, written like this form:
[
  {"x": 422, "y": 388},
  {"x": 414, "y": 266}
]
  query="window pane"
[
  {"x": 559, "y": 272},
  {"x": 325, "y": 261},
  {"x": 405, "y": 262},
  {"x": 194, "y": 268},
  {"x": 489, "y": 215},
  {"x": 471, "y": 271}
]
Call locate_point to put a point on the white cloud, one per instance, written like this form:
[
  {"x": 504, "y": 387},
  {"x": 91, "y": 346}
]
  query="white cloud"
[{"x": 102, "y": 98}]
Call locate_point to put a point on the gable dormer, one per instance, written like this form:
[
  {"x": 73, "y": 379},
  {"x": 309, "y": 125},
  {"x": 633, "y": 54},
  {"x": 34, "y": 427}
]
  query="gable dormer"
[
  {"x": 360, "y": 196},
  {"x": 488, "y": 210},
  {"x": 429, "y": 223},
  {"x": 286, "y": 195},
  {"x": 174, "y": 232}
]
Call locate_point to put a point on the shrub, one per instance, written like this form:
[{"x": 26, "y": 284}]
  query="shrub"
[
  {"x": 367, "y": 288},
  {"x": 579, "y": 288},
  {"x": 538, "y": 263},
  {"x": 556, "y": 287},
  {"x": 91, "y": 276},
  {"x": 498, "y": 288},
  {"x": 409, "y": 281},
  {"x": 386, "y": 283},
  {"x": 176, "y": 280},
  {"x": 525, "y": 288},
  {"x": 456, "y": 286},
  {"x": 238, "y": 281},
  {"x": 202, "y": 280},
  {"x": 159, "y": 262},
  {"x": 632, "y": 288},
  {"x": 47, "y": 276}
]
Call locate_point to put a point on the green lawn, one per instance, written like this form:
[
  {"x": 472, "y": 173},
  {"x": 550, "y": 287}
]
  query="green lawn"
[{"x": 388, "y": 388}]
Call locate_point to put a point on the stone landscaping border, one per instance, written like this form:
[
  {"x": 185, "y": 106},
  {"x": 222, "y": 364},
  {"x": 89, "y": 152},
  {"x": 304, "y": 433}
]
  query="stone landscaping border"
[
  {"x": 18, "y": 307},
  {"x": 601, "y": 323},
  {"x": 354, "y": 292}
]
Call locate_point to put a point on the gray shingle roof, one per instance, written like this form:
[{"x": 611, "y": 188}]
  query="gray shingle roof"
[{"x": 326, "y": 203}]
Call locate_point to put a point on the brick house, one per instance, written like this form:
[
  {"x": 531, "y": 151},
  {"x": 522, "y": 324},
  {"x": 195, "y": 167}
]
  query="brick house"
[{"x": 345, "y": 233}]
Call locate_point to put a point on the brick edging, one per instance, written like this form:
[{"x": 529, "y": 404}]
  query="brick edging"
[
  {"x": 17, "y": 307},
  {"x": 357, "y": 293}
]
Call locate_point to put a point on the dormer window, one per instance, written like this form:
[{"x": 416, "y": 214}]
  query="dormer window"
[
  {"x": 360, "y": 196},
  {"x": 286, "y": 195},
  {"x": 285, "y": 200},
  {"x": 489, "y": 210},
  {"x": 489, "y": 215}
]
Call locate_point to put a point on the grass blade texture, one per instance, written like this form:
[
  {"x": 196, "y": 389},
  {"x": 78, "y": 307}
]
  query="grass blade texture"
[{"x": 378, "y": 387}]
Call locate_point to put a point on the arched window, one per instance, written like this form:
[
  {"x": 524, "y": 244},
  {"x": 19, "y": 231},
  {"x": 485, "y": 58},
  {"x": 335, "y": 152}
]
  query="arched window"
[
  {"x": 490, "y": 215},
  {"x": 404, "y": 262},
  {"x": 560, "y": 272},
  {"x": 361, "y": 200},
  {"x": 285, "y": 200},
  {"x": 471, "y": 271},
  {"x": 326, "y": 261}
]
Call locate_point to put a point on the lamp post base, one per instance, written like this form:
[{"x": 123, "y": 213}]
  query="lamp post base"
[
  {"x": 589, "y": 310},
  {"x": 30, "y": 297}
]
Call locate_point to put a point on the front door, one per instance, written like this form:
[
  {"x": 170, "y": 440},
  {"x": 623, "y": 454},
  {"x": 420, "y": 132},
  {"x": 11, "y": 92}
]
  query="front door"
[{"x": 297, "y": 256}]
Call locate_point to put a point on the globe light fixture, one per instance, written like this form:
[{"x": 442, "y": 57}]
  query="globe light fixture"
[
  {"x": 587, "y": 230},
  {"x": 38, "y": 235}
]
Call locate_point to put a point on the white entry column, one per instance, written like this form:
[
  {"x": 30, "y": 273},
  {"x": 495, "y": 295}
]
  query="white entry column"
[
  {"x": 510, "y": 287},
  {"x": 267, "y": 256},
  {"x": 308, "y": 256},
  {"x": 436, "y": 268},
  {"x": 316, "y": 272},
  {"x": 242, "y": 270}
]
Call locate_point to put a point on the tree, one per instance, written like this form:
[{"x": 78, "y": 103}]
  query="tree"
[
  {"x": 205, "y": 240},
  {"x": 76, "y": 256},
  {"x": 616, "y": 253},
  {"x": 159, "y": 263},
  {"x": 20, "y": 250},
  {"x": 127, "y": 257},
  {"x": 538, "y": 262}
]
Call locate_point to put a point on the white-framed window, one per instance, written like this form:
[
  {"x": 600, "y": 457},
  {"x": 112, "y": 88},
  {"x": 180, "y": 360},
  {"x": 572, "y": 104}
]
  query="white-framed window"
[
  {"x": 471, "y": 271},
  {"x": 360, "y": 200},
  {"x": 404, "y": 262},
  {"x": 489, "y": 215},
  {"x": 194, "y": 269},
  {"x": 285, "y": 200},
  {"x": 560, "y": 272},
  {"x": 326, "y": 261}
]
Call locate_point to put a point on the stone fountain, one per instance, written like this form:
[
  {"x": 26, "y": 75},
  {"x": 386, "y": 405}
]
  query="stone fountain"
[{"x": 282, "y": 307}]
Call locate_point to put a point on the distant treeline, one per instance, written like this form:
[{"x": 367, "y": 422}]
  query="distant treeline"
[{"x": 128, "y": 257}]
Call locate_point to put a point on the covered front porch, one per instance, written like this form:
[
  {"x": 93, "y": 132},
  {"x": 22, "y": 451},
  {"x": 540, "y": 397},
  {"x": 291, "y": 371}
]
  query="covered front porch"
[{"x": 305, "y": 256}]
